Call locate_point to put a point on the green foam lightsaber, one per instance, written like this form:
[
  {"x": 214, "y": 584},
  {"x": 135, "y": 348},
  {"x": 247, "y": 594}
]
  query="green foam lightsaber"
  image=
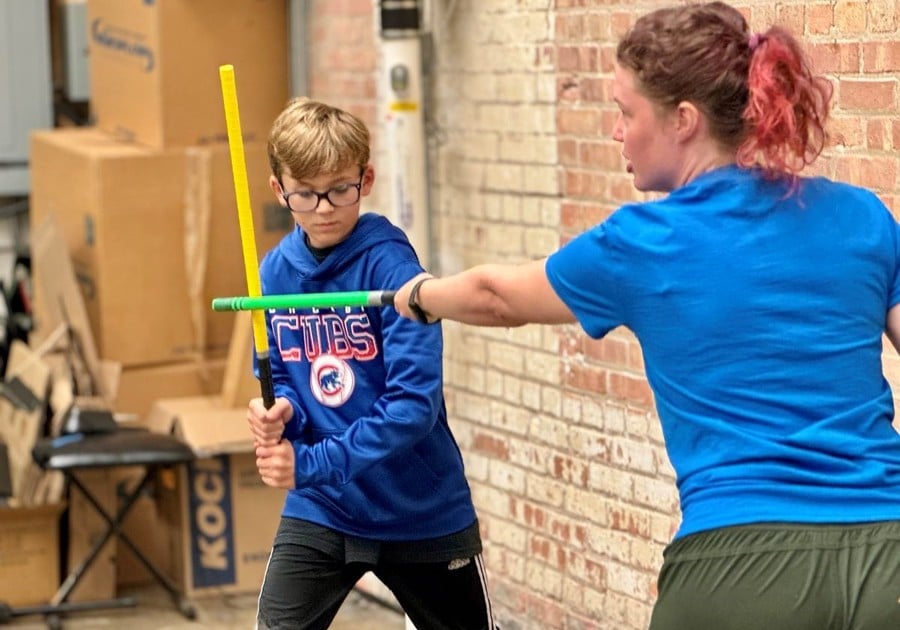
[{"x": 338, "y": 299}]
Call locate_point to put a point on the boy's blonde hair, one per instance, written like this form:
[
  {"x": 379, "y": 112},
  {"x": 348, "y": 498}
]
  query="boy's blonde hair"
[{"x": 309, "y": 138}]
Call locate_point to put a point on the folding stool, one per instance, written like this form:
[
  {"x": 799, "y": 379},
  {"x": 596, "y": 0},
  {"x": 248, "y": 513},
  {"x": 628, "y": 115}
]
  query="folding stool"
[{"x": 74, "y": 452}]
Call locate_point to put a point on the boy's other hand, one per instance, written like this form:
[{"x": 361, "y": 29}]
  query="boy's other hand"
[
  {"x": 267, "y": 425},
  {"x": 276, "y": 465}
]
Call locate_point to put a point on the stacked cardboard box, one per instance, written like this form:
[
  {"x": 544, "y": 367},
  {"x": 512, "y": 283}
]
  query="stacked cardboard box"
[
  {"x": 153, "y": 235},
  {"x": 154, "y": 67},
  {"x": 29, "y": 528},
  {"x": 144, "y": 198},
  {"x": 29, "y": 558}
]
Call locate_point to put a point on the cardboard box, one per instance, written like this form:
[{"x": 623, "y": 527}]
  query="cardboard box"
[
  {"x": 221, "y": 518},
  {"x": 154, "y": 67},
  {"x": 29, "y": 554},
  {"x": 141, "y": 386},
  {"x": 86, "y": 528},
  {"x": 153, "y": 236},
  {"x": 143, "y": 527}
]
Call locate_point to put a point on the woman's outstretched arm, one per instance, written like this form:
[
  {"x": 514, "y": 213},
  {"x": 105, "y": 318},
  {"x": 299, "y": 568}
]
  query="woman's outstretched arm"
[{"x": 487, "y": 295}]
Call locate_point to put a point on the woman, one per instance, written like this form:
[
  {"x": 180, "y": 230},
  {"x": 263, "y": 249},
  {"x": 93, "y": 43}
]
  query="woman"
[{"x": 759, "y": 298}]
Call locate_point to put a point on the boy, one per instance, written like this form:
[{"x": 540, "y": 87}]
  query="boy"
[{"x": 358, "y": 434}]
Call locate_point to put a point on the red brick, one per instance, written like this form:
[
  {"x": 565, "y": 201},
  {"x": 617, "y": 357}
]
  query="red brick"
[
  {"x": 587, "y": 380},
  {"x": 533, "y": 515},
  {"x": 620, "y": 23},
  {"x": 630, "y": 388},
  {"x": 584, "y": 121},
  {"x": 544, "y": 611},
  {"x": 850, "y": 17},
  {"x": 629, "y": 520},
  {"x": 603, "y": 155},
  {"x": 867, "y": 95},
  {"x": 792, "y": 18},
  {"x": 577, "y": 217},
  {"x": 881, "y": 16},
  {"x": 570, "y": 470},
  {"x": 877, "y": 134},
  {"x": 568, "y": 89},
  {"x": 846, "y": 132},
  {"x": 569, "y": 27},
  {"x": 597, "y": 27},
  {"x": 567, "y": 151},
  {"x": 819, "y": 18},
  {"x": 595, "y": 572},
  {"x": 595, "y": 90},
  {"x": 881, "y": 57},
  {"x": 491, "y": 445},
  {"x": 588, "y": 58},
  {"x": 609, "y": 350},
  {"x": 567, "y": 59},
  {"x": 833, "y": 57}
]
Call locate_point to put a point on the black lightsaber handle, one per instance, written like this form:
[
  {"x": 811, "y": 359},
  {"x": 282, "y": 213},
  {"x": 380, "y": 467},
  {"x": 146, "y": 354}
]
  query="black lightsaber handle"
[{"x": 266, "y": 386}]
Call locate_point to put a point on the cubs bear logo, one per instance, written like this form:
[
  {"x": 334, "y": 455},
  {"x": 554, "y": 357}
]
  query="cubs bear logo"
[{"x": 331, "y": 380}]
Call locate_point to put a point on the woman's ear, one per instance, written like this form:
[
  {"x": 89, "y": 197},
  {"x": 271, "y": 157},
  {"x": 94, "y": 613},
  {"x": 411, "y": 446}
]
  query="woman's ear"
[
  {"x": 687, "y": 120},
  {"x": 275, "y": 185}
]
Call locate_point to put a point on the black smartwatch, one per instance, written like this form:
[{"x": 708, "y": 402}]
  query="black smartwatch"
[{"x": 413, "y": 302}]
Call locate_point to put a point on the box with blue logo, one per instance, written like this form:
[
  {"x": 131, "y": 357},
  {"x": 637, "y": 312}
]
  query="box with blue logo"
[{"x": 218, "y": 516}]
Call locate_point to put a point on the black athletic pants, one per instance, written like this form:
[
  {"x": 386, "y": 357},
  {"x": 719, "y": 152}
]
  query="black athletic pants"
[{"x": 308, "y": 578}]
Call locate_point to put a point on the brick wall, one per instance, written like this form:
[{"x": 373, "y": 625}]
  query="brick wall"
[
  {"x": 343, "y": 68},
  {"x": 562, "y": 445}
]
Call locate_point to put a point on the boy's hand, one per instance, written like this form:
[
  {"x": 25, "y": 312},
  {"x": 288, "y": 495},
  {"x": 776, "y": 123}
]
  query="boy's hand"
[
  {"x": 267, "y": 425},
  {"x": 276, "y": 465}
]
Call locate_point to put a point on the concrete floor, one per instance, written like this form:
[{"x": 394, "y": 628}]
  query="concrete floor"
[{"x": 156, "y": 612}]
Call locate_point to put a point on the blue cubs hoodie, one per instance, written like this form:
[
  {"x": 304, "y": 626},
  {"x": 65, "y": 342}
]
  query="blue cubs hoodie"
[{"x": 375, "y": 457}]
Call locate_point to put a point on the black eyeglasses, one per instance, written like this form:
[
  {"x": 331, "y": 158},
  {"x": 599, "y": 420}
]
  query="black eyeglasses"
[{"x": 338, "y": 196}]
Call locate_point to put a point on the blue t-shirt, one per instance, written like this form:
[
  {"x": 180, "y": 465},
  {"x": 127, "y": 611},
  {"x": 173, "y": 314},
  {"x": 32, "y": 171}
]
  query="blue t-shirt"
[{"x": 760, "y": 314}]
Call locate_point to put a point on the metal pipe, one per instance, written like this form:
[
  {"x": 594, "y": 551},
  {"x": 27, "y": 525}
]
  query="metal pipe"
[{"x": 402, "y": 95}]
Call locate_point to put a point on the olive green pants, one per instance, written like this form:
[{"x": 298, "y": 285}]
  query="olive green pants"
[{"x": 782, "y": 577}]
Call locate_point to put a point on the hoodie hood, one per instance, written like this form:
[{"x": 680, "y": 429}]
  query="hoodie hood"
[{"x": 370, "y": 228}]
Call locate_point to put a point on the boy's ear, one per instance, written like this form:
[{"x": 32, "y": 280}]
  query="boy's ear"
[
  {"x": 276, "y": 188},
  {"x": 368, "y": 180}
]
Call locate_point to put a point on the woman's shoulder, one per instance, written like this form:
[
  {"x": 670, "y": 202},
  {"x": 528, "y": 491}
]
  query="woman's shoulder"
[{"x": 833, "y": 193}]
